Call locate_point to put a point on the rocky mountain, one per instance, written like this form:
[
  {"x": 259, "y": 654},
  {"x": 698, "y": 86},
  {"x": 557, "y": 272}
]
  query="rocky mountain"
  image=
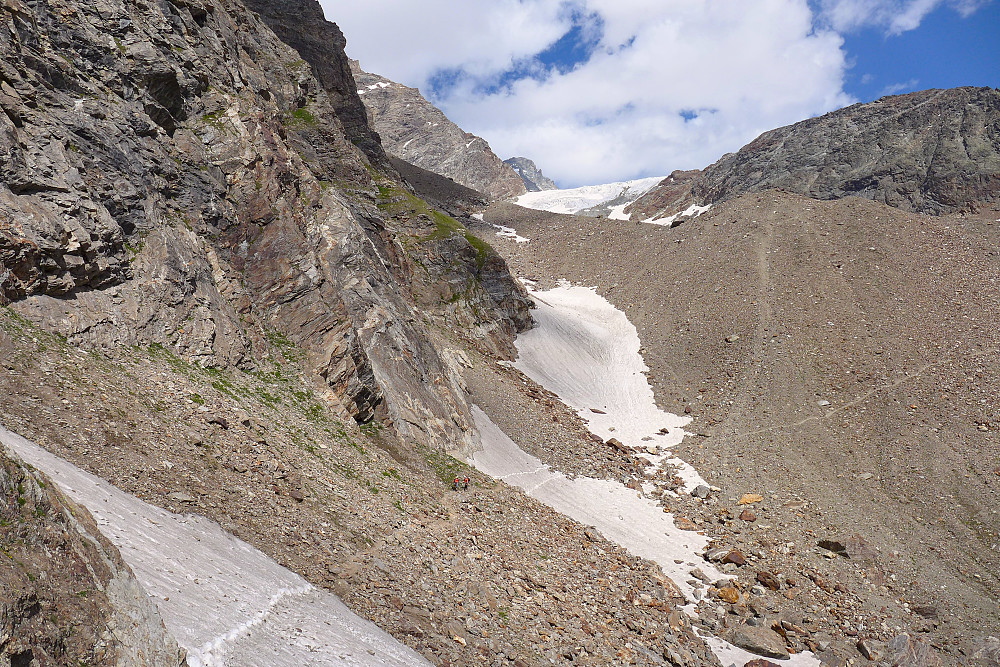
[
  {"x": 532, "y": 176},
  {"x": 415, "y": 130},
  {"x": 936, "y": 151},
  {"x": 219, "y": 294},
  {"x": 67, "y": 596},
  {"x": 839, "y": 360}
]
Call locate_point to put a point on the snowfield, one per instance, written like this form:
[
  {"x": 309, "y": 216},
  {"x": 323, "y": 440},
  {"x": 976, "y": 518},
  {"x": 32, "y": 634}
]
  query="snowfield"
[
  {"x": 586, "y": 351},
  {"x": 578, "y": 199},
  {"x": 224, "y": 601}
]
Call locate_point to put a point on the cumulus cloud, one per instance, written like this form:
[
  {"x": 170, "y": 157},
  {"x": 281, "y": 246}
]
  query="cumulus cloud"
[{"x": 660, "y": 84}]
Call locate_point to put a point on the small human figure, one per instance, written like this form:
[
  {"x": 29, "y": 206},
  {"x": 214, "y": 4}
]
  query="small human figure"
[
  {"x": 455, "y": 485},
  {"x": 466, "y": 484}
]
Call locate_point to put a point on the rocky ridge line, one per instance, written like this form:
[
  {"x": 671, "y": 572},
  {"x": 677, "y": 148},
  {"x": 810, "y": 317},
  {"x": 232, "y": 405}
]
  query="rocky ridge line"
[
  {"x": 935, "y": 151},
  {"x": 532, "y": 176},
  {"x": 415, "y": 130}
]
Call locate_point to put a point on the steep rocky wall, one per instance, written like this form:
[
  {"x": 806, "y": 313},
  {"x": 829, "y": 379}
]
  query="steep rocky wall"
[
  {"x": 416, "y": 131},
  {"x": 532, "y": 176},
  {"x": 67, "y": 596},
  {"x": 302, "y": 25},
  {"x": 175, "y": 174},
  {"x": 935, "y": 151}
]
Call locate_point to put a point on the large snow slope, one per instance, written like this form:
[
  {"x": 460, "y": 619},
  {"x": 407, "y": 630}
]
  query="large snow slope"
[
  {"x": 225, "y": 602},
  {"x": 587, "y": 352},
  {"x": 578, "y": 199}
]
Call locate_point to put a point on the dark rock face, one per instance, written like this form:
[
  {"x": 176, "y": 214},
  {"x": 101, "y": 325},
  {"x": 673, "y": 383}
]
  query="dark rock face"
[
  {"x": 935, "y": 151},
  {"x": 415, "y": 130},
  {"x": 63, "y": 574},
  {"x": 302, "y": 25},
  {"x": 532, "y": 176},
  {"x": 174, "y": 174}
]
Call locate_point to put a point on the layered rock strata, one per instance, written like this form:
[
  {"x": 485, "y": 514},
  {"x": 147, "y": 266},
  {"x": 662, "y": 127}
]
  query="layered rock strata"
[
  {"x": 175, "y": 174},
  {"x": 935, "y": 151},
  {"x": 415, "y": 130}
]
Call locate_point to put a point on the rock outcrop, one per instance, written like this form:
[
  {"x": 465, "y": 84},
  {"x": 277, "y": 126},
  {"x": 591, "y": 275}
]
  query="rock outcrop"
[
  {"x": 415, "y": 130},
  {"x": 67, "y": 596},
  {"x": 532, "y": 176},
  {"x": 176, "y": 174},
  {"x": 936, "y": 151}
]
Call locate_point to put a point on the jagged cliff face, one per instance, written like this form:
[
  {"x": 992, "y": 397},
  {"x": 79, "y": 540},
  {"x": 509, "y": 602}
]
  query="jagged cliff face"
[
  {"x": 176, "y": 174},
  {"x": 53, "y": 547},
  {"x": 415, "y": 130},
  {"x": 935, "y": 151},
  {"x": 534, "y": 179}
]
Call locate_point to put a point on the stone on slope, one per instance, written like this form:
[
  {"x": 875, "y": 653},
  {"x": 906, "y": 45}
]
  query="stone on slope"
[{"x": 759, "y": 640}]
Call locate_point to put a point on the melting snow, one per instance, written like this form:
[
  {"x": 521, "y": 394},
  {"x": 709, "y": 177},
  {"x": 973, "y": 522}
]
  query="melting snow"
[
  {"x": 578, "y": 199},
  {"x": 692, "y": 211},
  {"x": 621, "y": 514},
  {"x": 587, "y": 352},
  {"x": 618, "y": 212},
  {"x": 223, "y": 600},
  {"x": 510, "y": 233}
]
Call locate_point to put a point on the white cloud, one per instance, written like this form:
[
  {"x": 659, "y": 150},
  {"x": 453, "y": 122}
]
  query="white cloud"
[
  {"x": 407, "y": 41},
  {"x": 742, "y": 67},
  {"x": 893, "y": 16},
  {"x": 900, "y": 87}
]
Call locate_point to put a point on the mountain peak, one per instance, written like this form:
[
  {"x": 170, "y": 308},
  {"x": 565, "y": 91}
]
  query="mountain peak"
[{"x": 532, "y": 176}]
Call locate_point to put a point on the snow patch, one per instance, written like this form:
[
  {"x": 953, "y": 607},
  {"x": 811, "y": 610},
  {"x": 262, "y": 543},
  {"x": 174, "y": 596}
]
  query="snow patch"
[
  {"x": 586, "y": 351},
  {"x": 618, "y": 212},
  {"x": 510, "y": 233},
  {"x": 692, "y": 211},
  {"x": 622, "y": 515},
  {"x": 478, "y": 216},
  {"x": 578, "y": 199},
  {"x": 729, "y": 654},
  {"x": 223, "y": 600}
]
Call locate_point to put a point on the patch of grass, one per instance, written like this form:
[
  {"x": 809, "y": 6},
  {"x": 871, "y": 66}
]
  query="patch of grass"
[
  {"x": 196, "y": 398},
  {"x": 301, "y": 117},
  {"x": 284, "y": 345},
  {"x": 445, "y": 466}
]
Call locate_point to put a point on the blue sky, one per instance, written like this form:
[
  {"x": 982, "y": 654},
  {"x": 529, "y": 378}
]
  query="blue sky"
[
  {"x": 946, "y": 51},
  {"x": 604, "y": 90}
]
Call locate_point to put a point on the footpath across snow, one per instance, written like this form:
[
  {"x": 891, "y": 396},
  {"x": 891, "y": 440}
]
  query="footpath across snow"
[{"x": 224, "y": 601}]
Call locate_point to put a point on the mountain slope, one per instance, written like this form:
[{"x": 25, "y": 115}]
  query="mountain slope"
[
  {"x": 532, "y": 176},
  {"x": 839, "y": 359},
  {"x": 415, "y": 130},
  {"x": 935, "y": 151},
  {"x": 216, "y": 296},
  {"x": 183, "y": 197}
]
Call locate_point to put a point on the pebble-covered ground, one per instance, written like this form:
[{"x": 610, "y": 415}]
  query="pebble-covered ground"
[
  {"x": 840, "y": 359},
  {"x": 478, "y": 576}
]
